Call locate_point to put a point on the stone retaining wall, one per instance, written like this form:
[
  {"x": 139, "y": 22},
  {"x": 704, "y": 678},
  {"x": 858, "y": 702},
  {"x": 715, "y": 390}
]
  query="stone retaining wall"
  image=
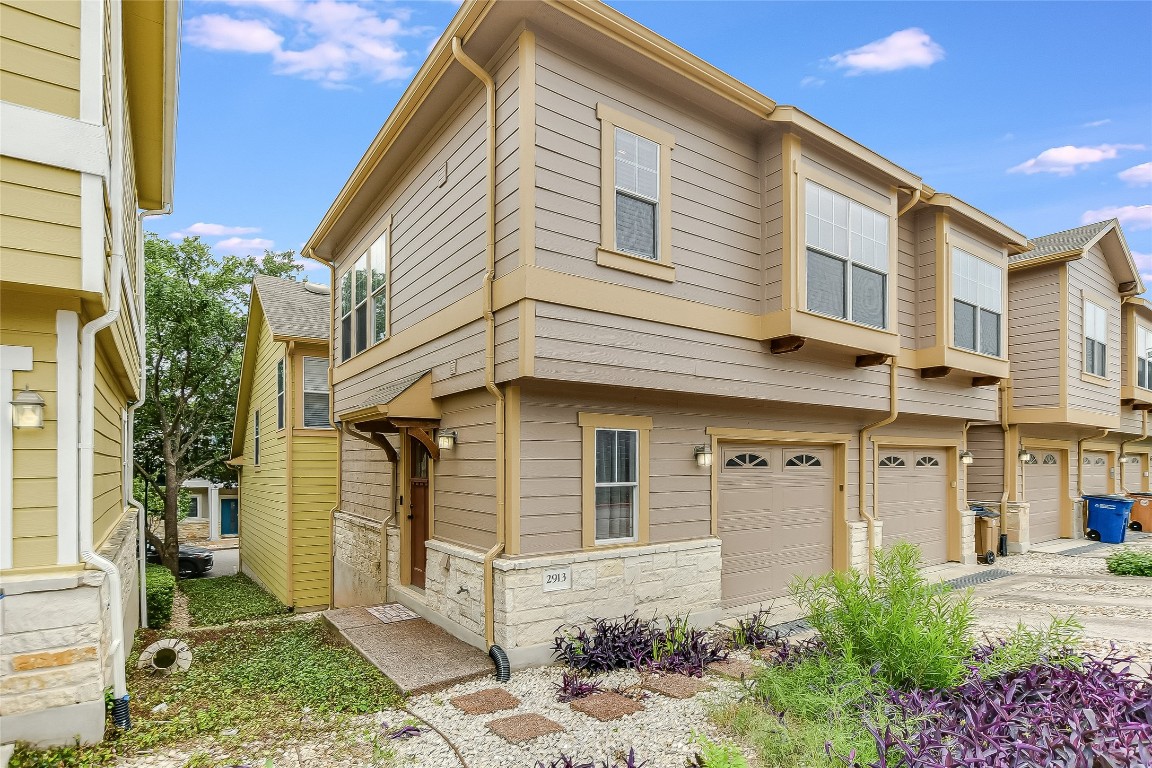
[
  {"x": 454, "y": 584},
  {"x": 358, "y": 561}
]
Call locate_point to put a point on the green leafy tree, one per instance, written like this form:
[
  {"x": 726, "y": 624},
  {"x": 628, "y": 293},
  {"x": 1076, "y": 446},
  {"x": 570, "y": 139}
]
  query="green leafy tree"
[{"x": 196, "y": 304}]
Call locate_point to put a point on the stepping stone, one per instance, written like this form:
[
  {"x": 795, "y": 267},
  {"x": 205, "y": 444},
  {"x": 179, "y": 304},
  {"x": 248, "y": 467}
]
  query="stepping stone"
[
  {"x": 677, "y": 686},
  {"x": 521, "y": 728},
  {"x": 485, "y": 702},
  {"x": 607, "y": 706},
  {"x": 734, "y": 668}
]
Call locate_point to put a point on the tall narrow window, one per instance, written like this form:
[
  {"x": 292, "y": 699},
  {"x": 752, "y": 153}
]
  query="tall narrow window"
[
  {"x": 977, "y": 304},
  {"x": 360, "y": 300},
  {"x": 1143, "y": 357},
  {"x": 316, "y": 392},
  {"x": 1095, "y": 339},
  {"x": 617, "y": 485},
  {"x": 280, "y": 393},
  {"x": 346, "y": 315},
  {"x": 378, "y": 255},
  {"x": 256, "y": 438},
  {"x": 637, "y": 194},
  {"x": 847, "y": 246}
]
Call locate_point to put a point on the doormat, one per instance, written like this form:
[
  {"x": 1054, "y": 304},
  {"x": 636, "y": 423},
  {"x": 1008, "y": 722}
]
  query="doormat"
[
  {"x": 391, "y": 612},
  {"x": 981, "y": 577}
]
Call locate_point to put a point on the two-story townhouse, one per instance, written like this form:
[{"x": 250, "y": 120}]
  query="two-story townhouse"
[
  {"x": 615, "y": 332},
  {"x": 88, "y": 115},
  {"x": 1075, "y": 404},
  {"x": 283, "y": 444}
]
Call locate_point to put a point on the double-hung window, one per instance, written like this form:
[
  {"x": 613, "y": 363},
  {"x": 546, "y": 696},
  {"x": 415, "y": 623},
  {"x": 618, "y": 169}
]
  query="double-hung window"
[
  {"x": 617, "y": 485},
  {"x": 637, "y": 194},
  {"x": 378, "y": 255},
  {"x": 280, "y": 393},
  {"x": 256, "y": 438},
  {"x": 1095, "y": 339},
  {"x": 977, "y": 303},
  {"x": 364, "y": 300},
  {"x": 1143, "y": 357},
  {"x": 316, "y": 392},
  {"x": 847, "y": 244}
]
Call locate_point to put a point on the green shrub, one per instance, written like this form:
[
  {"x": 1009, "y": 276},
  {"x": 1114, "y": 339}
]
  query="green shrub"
[
  {"x": 1129, "y": 562},
  {"x": 227, "y": 599},
  {"x": 908, "y": 632},
  {"x": 1027, "y": 647},
  {"x": 161, "y": 587},
  {"x": 709, "y": 754}
]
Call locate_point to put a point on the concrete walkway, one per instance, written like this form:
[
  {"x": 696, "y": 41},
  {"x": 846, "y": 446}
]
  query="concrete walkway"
[{"x": 415, "y": 654}]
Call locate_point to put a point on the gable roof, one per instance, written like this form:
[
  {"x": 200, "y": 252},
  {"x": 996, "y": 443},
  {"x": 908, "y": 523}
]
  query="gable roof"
[
  {"x": 294, "y": 310},
  {"x": 1072, "y": 244},
  {"x": 1066, "y": 242}
]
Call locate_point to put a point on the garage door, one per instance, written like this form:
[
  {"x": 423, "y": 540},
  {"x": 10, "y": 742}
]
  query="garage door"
[
  {"x": 1095, "y": 472},
  {"x": 1133, "y": 470},
  {"x": 775, "y": 518},
  {"x": 1044, "y": 488},
  {"x": 913, "y": 500}
]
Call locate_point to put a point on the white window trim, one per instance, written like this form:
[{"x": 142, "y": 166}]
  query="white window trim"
[
  {"x": 1146, "y": 357},
  {"x": 608, "y": 255},
  {"x": 305, "y": 391},
  {"x": 1085, "y": 337},
  {"x": 1001, "y": 342},
  {"x": 635, "y": 486},
  {"x": 379, "y": 250}
]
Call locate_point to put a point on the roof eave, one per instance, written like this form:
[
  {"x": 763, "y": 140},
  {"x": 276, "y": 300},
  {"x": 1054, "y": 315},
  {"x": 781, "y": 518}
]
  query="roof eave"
[{"x": 1015, "y": 241}]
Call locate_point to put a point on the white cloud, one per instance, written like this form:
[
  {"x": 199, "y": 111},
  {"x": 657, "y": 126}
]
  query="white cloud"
[
  {"x": 811, "y": 82},
  {"x": 1130, "y": 216},
  {"x": 333, "y": 43},
  {"x": 213, "y": 230},
  {"x": 243, "y": 245},
  {"x": 1096, "y": 123},
  {"x": 910, "y": 47},
  {"x": 1065, "y": 161},
  {"x": 1137, "y": 175}
]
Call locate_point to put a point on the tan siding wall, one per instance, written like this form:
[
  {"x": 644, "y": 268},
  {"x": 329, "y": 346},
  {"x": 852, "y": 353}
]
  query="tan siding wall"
[
  {"x": 716, "y": 219},
  {"x": 507, "y": 163},
  {"x": 313, "y": 497},
  {"x": 1034, "y": 337},
  {"x": 107, "y": 460},
  {"x": 39, "y": 224},
  {"x": 40, "y": 54},
  {"x": 366, "y": 479},
  {"x": 907, "y": 282},
  {"x": 264, "y": 489},
  {"x": 464, "y": 478},
  {"x": 925, "y": 226},
  {"x": 1089, "y": 277},
  {"x": 986, "y": 472},
  {"x": 773, "y": 204}
]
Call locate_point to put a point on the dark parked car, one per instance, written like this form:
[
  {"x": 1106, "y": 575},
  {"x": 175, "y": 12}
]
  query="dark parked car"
[{"x": 194, "y": 561}]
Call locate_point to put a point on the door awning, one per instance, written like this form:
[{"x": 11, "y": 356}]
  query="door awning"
[{"x": 406, "y": 402}]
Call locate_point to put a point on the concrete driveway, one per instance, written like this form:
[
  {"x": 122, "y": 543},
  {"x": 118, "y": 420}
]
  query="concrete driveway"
[{"x": 225, "y": 562}]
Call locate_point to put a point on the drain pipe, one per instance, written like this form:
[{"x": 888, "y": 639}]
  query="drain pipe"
[
  {"x": 862, "y": 444},
  {"x": 499, "y": 657},
  {"x": 1143, "y": 436},
  {"x": 120, "y": 714}
]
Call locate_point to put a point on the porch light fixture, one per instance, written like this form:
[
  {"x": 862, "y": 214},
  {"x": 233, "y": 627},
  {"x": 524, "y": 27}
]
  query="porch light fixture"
[
  {"x": 28, "y": 410},
  {"x": 703, "y": 455},
  {"x": 1025, "y": 456},
  {"x": 446, "y": 439},
  {"x": 966, "y": 457}
]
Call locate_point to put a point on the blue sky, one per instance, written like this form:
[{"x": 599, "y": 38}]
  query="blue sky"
[{"x": 1039, "y": 113}]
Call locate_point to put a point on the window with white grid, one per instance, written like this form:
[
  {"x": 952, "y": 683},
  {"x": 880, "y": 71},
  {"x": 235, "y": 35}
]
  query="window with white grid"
[
  {"x": 316, "y": 392},
  {"x": 1095, "y": 339},
  {"x": 637, "y": 194},
  {"x": 1143, "y": 357},
  {"x": 364, "y": 300},
  {"x": 617, "y": 484},
  {"x": 977, "y": 303}
]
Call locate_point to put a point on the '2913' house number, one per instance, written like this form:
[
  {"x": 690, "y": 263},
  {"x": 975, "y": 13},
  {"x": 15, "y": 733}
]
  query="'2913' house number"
[{"x": 557, "y": 579}]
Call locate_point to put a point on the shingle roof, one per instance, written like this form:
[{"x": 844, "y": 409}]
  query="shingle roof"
[
  {"x": 390, "y": 391},
  {"x": 296, "y": 310},
  {"x": 1063, "y": 242}
]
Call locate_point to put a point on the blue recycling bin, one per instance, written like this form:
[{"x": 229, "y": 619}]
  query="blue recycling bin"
[{"x": 1108, "y": 517}]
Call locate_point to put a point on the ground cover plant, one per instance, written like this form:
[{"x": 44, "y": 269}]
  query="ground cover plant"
[
  {"x": 228, "y": 599},
  {"x": 564, "y": 761},
  {"x": 672, "y": 645},
  {"x": 159, "y": 591},
  {"x": 1129, "y": 562},
  {"x": 575, "y": 685},
  {"x": 285, "y": 677},
  {"x": 754, "y": 632}
]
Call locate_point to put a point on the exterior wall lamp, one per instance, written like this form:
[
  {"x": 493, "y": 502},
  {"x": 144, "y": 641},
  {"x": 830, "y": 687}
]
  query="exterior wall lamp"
[
  {"x": 1025, "y": 456},
  {"x": 966, "y": 457},
  {"x": 28, "y": 410},
  {"x": 703, "y": 455},
  {"x": 446, "y": 439}
]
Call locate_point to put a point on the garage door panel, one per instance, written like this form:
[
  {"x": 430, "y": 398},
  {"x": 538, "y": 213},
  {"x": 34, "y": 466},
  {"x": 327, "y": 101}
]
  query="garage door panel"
[
  {"x": 914, "y": 500},
  {"x": 1044, "y": 489},
  {"x": 1095, "y": 478}
]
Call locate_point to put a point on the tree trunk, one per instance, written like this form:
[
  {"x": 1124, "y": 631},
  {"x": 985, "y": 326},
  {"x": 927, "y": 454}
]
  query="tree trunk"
[{"x": 170, "y": 554}]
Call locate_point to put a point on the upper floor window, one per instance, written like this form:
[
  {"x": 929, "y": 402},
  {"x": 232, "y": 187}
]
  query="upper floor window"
[
  {"x": 364, "y": 301},
  {"x": 637, "y": 194},
  {"x": 1143, "y": 357},
  {"x": 316, "y": 392},
  {"x": 1095, "y": 339},
  {"x": 847, "y": 245},
  {"x": 280, "y": 393},
  {"x": 977, "y": 303}
]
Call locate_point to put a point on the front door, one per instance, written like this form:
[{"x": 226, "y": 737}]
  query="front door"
[
  {"x": 418, "y": 509},
  {"x": 229, "y": 520}
]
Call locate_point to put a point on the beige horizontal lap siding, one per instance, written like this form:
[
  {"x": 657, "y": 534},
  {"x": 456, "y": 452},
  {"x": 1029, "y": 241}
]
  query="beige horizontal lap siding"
[
  {"x": 506, "y": 76},
  {"x": 264, "y": 534},
  {"x": 1089, "y": 277},
  {"x": 39, "y": 224},
  {"x": 986, "y": 472},
  {"x": 907, "y": 282},
  {"x": 313, "y": 496},
  {"x": 365, "y": 479},
  {"x": 715, "y": 195},
  {"x": 926, "y": 248},
  {"x": 40, "y": 55},
  {"x": 107, "y": 460},
  {"x": 772, "y": 202},
  {"x": 1034, "y": 301},
  {"x": 952, "y": 396},
  {"x": 464, "y": 482},
  {"x": 680, "y": 491}
]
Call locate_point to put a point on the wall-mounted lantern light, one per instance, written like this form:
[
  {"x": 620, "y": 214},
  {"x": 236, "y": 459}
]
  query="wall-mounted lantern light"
[
  {"x": 703, "y": 455},
  {"x": 966, "y": 457},
  {"x": 28, "y": 410},
  {"x": 446, "y": 439},
  {"x": 1025, "y": 456}
]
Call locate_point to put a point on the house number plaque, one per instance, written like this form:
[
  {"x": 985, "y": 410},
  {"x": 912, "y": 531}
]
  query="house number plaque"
[{"x": 557, "y": 579}]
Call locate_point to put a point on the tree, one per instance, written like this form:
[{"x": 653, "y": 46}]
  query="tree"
[{"x": 196, "y": 304}]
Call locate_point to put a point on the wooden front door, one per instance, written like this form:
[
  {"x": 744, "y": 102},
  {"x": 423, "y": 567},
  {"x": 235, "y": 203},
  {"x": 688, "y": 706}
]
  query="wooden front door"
[{"x": 418, "y": 509}]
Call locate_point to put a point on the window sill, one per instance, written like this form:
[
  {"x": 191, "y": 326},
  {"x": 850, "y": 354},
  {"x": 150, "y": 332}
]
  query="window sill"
[
  {"x": 636, "y": 265},
  {"x": 1092, "y": 378}
]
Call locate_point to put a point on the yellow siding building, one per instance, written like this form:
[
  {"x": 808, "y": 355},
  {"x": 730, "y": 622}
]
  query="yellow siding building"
[
  {"x": 283, "y": 443},
  {"x": 77, "y": 177}
]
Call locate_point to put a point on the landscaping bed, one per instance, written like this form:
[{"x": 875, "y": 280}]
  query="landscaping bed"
[{"x": 228, "y": 599}]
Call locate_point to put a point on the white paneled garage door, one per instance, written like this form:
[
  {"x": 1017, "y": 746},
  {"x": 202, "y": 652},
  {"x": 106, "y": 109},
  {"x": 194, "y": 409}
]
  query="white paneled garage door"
[
  {"x": 775, "y": 518},
  {"x": 1134, "y": 472},
  {"x": 1095, "y": 472},
  {"x": 914, "y": 499},
  {"x": 1045, "y": 486}
]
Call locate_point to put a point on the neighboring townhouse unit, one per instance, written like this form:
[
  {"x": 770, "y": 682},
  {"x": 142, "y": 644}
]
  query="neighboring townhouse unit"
[
  {"x": 283, "y": 444},
  {"x": 88, "y": 116},
  {"x": 213, "y": 511},
  {"x": 1079, "y": 391},
  {"x": 615, "y": 332}
]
